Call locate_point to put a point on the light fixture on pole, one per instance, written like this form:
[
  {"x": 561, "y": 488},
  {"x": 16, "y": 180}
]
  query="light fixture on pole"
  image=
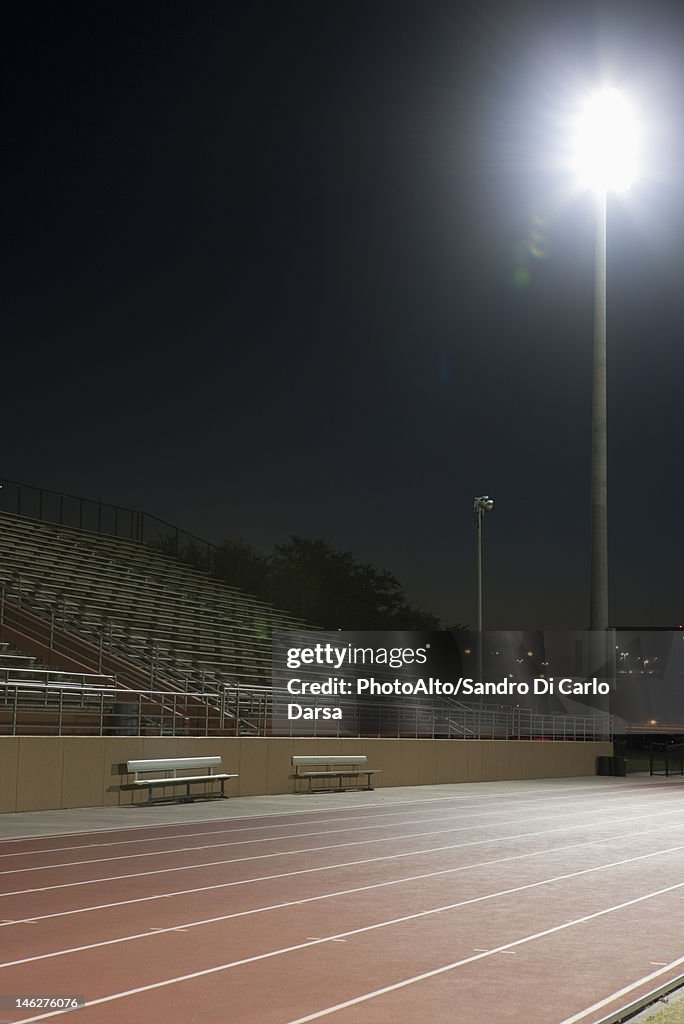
[
  {"x": 480, "y": 506},
  {"x": 605, "y": 152}
]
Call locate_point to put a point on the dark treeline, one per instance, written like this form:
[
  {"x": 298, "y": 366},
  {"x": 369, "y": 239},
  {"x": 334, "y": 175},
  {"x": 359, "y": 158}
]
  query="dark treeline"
[{"x": 312, "y": 581}]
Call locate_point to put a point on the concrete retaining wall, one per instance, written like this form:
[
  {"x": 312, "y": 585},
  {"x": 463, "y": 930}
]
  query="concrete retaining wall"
[{"x": 46, "y": 773}]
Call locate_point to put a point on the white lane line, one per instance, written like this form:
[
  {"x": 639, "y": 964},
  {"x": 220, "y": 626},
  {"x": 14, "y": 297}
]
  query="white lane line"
[
  {"x": 281, "y": 839},
  {"x": 323, "y": 849},
  {"x": 505, "y": 947},
  {"x": 330, "y": 867},
  {"x": 308, "y": 835},
  {"x": 242, "y": 842},
  {"x": 360, "y": 931},
  {"x": 239, "y": 831},
  {"x": 624, "y": 991},
  {"x": 372, "y": 823},
  {"x": 347, "y": 892},
  {"x": 598, "y": 789},
  {"x": 157, "y": 826},
  {"x": 371, "y": 808},
  {"x": 232, "y": 831}
]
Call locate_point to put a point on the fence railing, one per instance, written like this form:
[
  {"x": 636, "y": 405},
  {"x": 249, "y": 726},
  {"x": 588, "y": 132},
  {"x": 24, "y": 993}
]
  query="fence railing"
[
  {"x": 231, "y": 708},
  {"x": 98, "y": 516},
  {"x": 63, "y": 709},
  {"x": 71, "y": 709},
  {"x": 422, "y": 718},
  {"x": 44, "y": 676}
]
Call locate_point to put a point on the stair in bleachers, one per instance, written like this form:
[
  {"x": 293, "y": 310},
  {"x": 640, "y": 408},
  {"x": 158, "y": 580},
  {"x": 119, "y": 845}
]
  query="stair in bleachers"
[
  {"x": 36, "y": 699},
  {"x": 12, "y": 659}
]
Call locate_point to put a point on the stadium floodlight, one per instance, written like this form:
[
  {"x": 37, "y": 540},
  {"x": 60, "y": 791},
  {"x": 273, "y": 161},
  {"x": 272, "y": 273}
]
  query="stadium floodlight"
[{"x": 605, "y": 145}]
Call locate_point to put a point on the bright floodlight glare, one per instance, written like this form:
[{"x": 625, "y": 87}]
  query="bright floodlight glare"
[{"x": 605, "y": 143}]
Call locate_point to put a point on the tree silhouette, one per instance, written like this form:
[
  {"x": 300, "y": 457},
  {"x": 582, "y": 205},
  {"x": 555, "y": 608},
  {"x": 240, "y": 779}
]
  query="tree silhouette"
[{"x": 311, "y": 580}]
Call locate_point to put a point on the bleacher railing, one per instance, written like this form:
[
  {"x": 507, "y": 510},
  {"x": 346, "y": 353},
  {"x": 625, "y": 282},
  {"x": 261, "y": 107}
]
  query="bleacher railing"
[
  {"x": 98, "y": 516},
  {"x": 234, "y": 708},
  {"x": 86, "y": 709}
]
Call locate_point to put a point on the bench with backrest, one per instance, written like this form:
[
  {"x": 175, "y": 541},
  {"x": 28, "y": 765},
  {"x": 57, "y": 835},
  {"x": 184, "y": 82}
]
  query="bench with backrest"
[
  {"x": 349, "y": 771},
  {"x": 162, "y": 772}
]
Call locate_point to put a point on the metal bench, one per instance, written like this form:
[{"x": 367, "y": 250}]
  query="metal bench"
[
  {"x": 170, "y": 766},
  {"x": 346, "y": 769}
]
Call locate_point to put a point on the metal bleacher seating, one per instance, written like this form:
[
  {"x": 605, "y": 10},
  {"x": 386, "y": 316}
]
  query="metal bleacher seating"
[
  {"x": 176, "y": 652},
  {"x": 180, "y": 625}
]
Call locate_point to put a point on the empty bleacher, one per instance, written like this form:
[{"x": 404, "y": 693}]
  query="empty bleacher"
[
  {"x": 182, "y": 629},
  {"x": 188, "y": 654}
]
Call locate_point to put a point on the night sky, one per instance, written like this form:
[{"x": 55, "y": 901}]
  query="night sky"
[{"x": 315, "y": 268}]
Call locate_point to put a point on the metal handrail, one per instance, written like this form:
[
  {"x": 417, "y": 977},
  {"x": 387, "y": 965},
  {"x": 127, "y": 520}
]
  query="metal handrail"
[
  {"x": 49, "y": 672},
  {"x": 94, "y": 515},
  {"x": 163, "y": 712}
]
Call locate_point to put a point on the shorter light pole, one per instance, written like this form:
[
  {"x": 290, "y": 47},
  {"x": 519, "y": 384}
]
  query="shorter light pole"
[{"x": 480, "y": 506}]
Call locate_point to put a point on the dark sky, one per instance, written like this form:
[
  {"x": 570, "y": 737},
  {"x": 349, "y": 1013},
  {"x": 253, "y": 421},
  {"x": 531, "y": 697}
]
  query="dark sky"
[{"x": 313, "y": 268}]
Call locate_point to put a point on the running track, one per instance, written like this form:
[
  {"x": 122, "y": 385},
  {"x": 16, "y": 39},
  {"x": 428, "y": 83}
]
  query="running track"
[{"x": 535, "y": 902}]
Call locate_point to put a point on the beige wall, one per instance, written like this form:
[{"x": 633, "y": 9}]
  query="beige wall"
[{"x": 45, "y": 773}]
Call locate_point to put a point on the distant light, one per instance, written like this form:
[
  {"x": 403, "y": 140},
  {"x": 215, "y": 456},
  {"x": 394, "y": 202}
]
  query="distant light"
[{"x": 606, "y": 142}]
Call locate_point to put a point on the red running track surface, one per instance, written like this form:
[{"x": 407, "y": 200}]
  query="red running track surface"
[{"x": 534, "y": 902}]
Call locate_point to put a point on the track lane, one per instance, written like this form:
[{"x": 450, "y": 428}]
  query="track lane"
[
  {"x": 415, "y": 940},
  {"x": 240, "y": 903},
  {"x": 314, "y": 903}
]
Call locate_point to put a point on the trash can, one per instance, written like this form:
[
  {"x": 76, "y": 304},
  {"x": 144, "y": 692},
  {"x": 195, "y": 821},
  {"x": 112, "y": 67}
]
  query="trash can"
[
  {"x": 124, "y": 718},
  {"x": 619, "y": 766},
  {"x": 604, "y": 765}
]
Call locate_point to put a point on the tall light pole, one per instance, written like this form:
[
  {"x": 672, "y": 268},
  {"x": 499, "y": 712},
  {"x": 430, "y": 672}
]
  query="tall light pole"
[
  {"x": 480, "y": 506},
  {"x": 605, "y": 154},
  {"x": 598, "y": 604}
]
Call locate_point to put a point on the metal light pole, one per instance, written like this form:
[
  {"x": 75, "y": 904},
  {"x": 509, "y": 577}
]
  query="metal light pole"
[
  {"x": 480, "y": 506},
  {"x": 605, "y": 147},
  {"x": 598, "y": 609}
]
